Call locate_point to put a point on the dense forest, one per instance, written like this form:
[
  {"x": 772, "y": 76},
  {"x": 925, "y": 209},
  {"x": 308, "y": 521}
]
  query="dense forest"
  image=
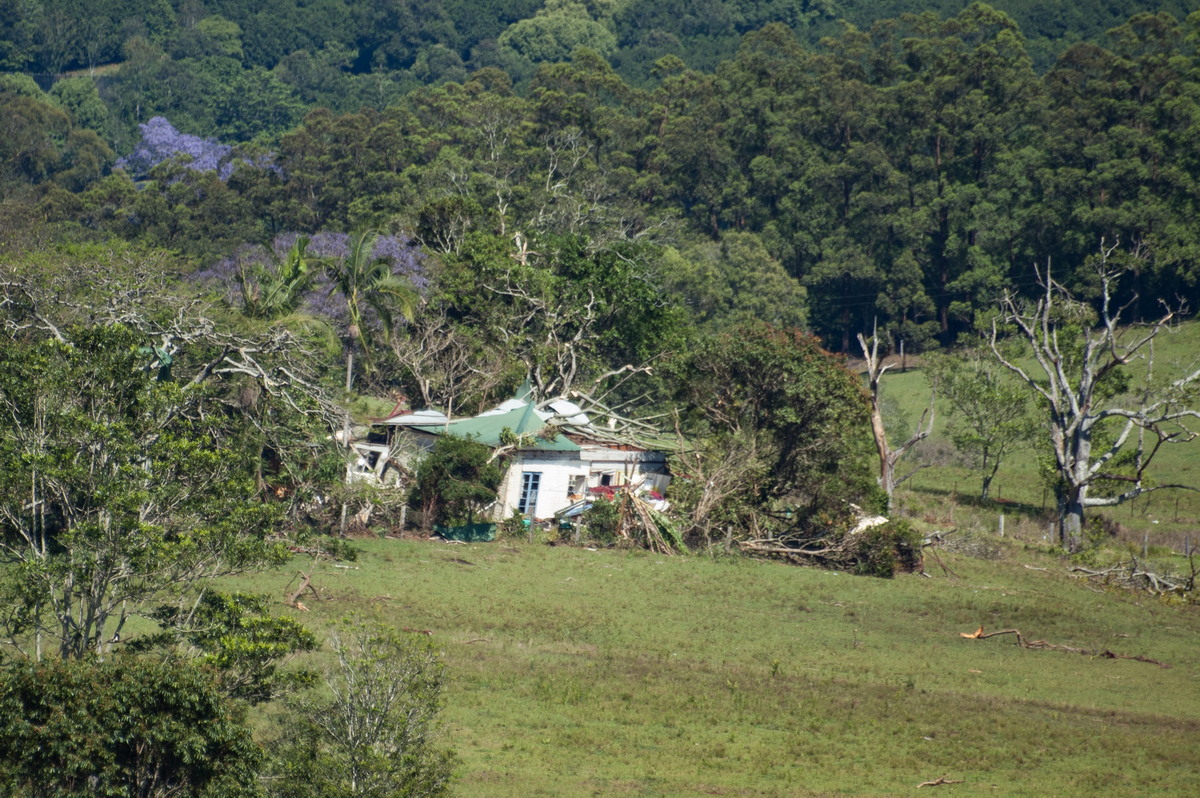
[{"x": 905, "y": 172}]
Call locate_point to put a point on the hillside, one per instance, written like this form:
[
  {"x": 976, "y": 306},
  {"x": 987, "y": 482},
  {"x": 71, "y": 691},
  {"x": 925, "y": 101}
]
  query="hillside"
[{"x": 583, "y": 672}]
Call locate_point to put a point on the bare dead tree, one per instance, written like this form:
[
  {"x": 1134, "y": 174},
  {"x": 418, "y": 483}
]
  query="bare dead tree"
[
  {"x": 1077, "y": 350},
  {"x": 889, "y": 457},
  {"x": 445, "y": 365},
  {"x": 565, "y": 328}
]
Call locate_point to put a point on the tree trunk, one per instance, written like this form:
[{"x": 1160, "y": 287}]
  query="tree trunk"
[
  {"x": 887, "y": 468},
  {"x": 1070, "y": 523}
]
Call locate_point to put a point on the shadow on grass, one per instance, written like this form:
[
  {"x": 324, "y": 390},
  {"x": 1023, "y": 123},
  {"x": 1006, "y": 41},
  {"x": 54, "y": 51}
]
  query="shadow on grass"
[{"x": 1033, "y": 512}]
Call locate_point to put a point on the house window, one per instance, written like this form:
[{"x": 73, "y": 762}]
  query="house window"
[{"x": 530, "y": 482}]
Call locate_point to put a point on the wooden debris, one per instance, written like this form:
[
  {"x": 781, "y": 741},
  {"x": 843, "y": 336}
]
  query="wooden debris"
[
  {"x": 939, "y": 781},
  {"x": 642, "y": 524},
  {"x": 305, "y": 584},
  {"x": 1134, "y": 575},
  {"x": 1042, "y": 645},
  {"x": 932, "y": 549}
]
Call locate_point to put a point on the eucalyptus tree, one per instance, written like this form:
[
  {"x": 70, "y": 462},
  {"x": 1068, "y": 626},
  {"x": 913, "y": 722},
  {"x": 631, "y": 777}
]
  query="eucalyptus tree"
[{"x": 1103, "y": 434}]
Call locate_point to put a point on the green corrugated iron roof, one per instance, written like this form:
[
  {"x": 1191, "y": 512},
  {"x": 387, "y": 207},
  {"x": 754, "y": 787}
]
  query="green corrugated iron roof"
[{"x": 488, "y": 429}]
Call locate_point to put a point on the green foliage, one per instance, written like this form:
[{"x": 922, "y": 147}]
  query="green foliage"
[
  {"x": 122, "y": 726},
  {"x": 556, "y": 31},
  {"x": 581, "y": 308},
  {"x": 455, "y": 481},
  {"x": 735, "y": 281},
  {"x": 991, "y": 413},
  {"x": 271, "y": 291},
  {"x": 41, "y": 142},
  {"x": 602, "y": 521},
  {"x": 117, "y": 487},
  {"x": 887, "y": 549},
  {"x": 796, "y": 416},
  {"x": 365, "y": 284},
  {"x": 236, "y": 637},
  {"x": 376, "y": 734}
]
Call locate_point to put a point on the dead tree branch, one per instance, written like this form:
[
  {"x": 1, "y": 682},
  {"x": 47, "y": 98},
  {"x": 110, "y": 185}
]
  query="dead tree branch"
[
  {"x": 888, "y": 457},
  {"x": 1042, "y": 645}
]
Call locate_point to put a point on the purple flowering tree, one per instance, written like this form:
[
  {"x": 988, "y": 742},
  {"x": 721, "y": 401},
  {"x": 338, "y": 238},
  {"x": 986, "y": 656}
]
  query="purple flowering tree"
[
  {"x": 161, "y": 142},
  {"x": 361, "y": 283}
]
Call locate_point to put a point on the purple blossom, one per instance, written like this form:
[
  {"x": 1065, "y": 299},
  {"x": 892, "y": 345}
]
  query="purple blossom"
[
  {"x": 404, "y": 257},
  {"x": 161, "y": 142},
  {"x": 402, "y": 253}
]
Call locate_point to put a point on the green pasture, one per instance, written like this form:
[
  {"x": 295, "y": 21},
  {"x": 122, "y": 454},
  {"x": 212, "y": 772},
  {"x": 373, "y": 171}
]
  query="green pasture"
[
  {"x": 944, "y": 493},
  {"x": 576, "y": 672}
]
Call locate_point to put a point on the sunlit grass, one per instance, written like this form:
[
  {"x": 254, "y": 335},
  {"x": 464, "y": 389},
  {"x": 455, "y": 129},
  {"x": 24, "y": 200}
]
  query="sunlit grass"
[{"x": 577, "y": 672}]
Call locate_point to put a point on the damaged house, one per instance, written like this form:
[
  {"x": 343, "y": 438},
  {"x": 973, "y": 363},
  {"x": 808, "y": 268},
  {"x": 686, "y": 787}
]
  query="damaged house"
[{"x": 557, "y": 457}]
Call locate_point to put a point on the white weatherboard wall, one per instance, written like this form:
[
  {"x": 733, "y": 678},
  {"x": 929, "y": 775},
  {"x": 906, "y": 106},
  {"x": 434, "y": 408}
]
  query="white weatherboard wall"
[
  {"x": 557, "y": 470},
  {"x": 562, "y": 470}
]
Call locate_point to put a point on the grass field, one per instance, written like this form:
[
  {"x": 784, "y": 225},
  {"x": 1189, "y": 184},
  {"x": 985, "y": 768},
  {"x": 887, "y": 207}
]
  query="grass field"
[{"x": 577, "y": 672}]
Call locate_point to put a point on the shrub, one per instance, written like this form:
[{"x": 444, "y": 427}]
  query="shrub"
[
  {"x": 887, "y": 549},
  {"x": 375, "y": 732},
  {"x": 602, "y": 521},
  {"x": 126, "y": 726}
]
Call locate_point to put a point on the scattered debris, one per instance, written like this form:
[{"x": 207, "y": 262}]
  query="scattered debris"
[
  {"x": 305, "y": 584},
  {"x": 641, "y": 523},
  {"x": 1134, "y": 575},
  {"x": 939, "y": 781},
  {"x": 1042, "y": 645},
  {"x": 931, "y": 545}
]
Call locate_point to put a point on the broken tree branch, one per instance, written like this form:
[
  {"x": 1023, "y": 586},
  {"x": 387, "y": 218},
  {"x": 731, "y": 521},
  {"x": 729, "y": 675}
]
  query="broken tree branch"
[{"x": 1042, "y": 645}]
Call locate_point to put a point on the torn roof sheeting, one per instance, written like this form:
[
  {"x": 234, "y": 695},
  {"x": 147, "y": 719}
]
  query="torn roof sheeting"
[{"x": 488, "y": 428}]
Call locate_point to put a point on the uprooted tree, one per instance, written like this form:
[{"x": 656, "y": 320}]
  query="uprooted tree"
[
  {"x": 782, "y": 458},
  {"x": 1104, "y": 432}
]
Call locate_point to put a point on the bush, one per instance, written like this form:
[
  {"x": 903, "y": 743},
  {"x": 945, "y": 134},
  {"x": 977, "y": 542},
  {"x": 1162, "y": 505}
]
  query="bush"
[
  {"x": 375, "y": 732},
  {"x": 887, "y": 549},
  {"x": 602, "y": 521},
  {"x": 455, "y": 481},
  {"x": 126, "y": 726}
]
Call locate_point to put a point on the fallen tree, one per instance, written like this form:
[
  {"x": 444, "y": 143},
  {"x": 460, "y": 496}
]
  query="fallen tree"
[
  {"x": 1134, "y": 575},
  {"x": 874, "y": 546},
  {"x": 1042, "y": 645}
]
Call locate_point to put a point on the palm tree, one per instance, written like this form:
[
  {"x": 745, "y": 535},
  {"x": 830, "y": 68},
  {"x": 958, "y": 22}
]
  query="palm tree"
[
  {"x": 365, "y": 281},
  {"x": 269, "y": 292}
]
